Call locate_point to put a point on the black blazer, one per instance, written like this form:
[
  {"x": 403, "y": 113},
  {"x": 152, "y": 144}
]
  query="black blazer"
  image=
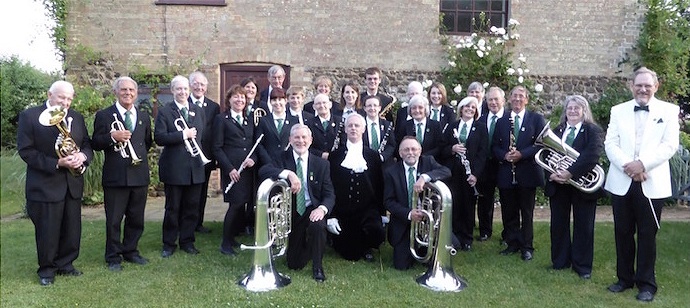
[
  {"x": 477, "y": 145},
  {"x": 211, "y": 110},
  {"x": 273, "y": 143},
  {"x": 447, "y": 116},
  {"x": 36, "y": 146},
  {"x": 369, "y": 191},
  {"x": 385, "y": 101},
  {"x": 589, "y": 142},
  {"x": 118, "y": 171},
  {"x": 433, "y": 139},
  {"x": 318, "y": 178},
  {"x": 231, "y": 145},
  {"x": 176, "y": 166},
  {"x": 385, "y": 127},
  {"x": 323, "y": 139},
  {"x": 395, "y": 197},
  {"x": 527, "y": 172},
  {"x": 491, "y": 166}
]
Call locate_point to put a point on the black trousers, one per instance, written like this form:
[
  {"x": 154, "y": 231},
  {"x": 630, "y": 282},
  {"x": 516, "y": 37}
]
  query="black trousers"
[
  {"x": 633, "y": 212},
  {"x": 126, "y": 203},
  {"x": 519, "y": 217},
  {"x": 402, "y": 256},
  {"x": 485, "y": 206},
  {"x": 232, "y": 219},
  {"x": 203, "y": 194},
  {"x": 307, "y": 240},
  {"x": 360, "y": 233},
  {"x": 181, "y": 215},
  {"x": 577, "y": 252},
  {"x": 58, "y": 234},
  {"x": 463, "y": 209}
]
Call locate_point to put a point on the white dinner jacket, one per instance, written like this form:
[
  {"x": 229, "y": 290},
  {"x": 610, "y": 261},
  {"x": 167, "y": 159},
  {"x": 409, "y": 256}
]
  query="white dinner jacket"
[{"x": 659, "y": 143}]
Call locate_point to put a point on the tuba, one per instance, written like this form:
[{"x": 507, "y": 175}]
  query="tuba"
[
  {"x": 273, "y": 225},
  {"x": 434, "y": 234},
  {"x": 557, "y": 155},
  {"x": 64, "y": 144},
  {"x": 124, "y": 147}
]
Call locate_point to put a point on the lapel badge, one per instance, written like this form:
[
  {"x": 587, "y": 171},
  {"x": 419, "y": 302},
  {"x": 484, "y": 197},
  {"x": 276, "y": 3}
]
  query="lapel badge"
[
  {"x": 311, "y": 176},
  {"x": 522, "y": 129},
  {"x": 473, "y": 128},
  {"x": 192, "y": 113}
]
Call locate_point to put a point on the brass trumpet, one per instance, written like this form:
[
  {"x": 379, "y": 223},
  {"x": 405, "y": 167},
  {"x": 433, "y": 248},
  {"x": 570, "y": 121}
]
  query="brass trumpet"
[
  {"x": 64, "y": 143},
  {"x": 124, "y": 146},
  {"x": 192, "y": 146}
]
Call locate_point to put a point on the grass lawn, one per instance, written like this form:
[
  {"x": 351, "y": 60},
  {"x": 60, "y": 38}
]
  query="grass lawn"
[
  {"x": 13, "y": 176},
  {"x": 210, "y": 279}
]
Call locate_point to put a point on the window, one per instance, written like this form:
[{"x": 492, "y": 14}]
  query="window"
[
  {"x": 458, "y": 14},
  {"x": 191, "y": 2}
]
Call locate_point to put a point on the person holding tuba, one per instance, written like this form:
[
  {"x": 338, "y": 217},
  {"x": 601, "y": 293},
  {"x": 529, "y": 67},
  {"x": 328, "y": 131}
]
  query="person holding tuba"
[
  {"x": 123, "y": 133},
  {"x": 310, "y": 182},
  {"x": 234, "y": 138},
  {"x": 400, "y": 182},
  {"x": 578, "y": 130},
  {"x": 53, "y": 142},
  {"x": 179, "y": 129}
]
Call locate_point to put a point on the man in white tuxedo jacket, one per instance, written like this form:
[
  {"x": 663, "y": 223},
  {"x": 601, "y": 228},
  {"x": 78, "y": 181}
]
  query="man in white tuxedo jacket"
[{"x": 641, "y": 138}]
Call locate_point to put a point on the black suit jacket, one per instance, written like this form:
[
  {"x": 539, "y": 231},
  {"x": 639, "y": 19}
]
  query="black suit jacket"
[
  {"x": 527, "y": 172},
  {"x": 274, "y": 143},
  {"x": 433, "y": 139},
  {"x": 477, "y": 145},
  {"x": 231, "y": 144},
  {"x": 176, "y": 166},
  {"x": 491, "y": 166},
  {"x": 395, "y": 196},
  {"x": 36, "y": 146},
  {"x": 118, "y": 171},
  {"x": 447, "y": 116},
  {"x": 589, "y": 143},
  {"x": 323, "y": 139},
  {"x": 384, "y": 127},
  {"x": 211, "y": 110},
  {"x": 318, "y": 178}
]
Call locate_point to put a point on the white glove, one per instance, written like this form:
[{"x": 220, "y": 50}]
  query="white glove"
[
  {"x": 385, "y": 220},
  {"x": 333, "y": 226}
]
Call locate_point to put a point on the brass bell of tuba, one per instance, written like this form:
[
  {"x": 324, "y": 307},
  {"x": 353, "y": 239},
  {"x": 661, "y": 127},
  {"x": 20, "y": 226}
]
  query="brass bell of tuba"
[
  {"x": 273, "y": 225},
  {"x": 557, "y": 155},
  {"x": 434, "y": 234},
  {"x": 64, "y": 143}
]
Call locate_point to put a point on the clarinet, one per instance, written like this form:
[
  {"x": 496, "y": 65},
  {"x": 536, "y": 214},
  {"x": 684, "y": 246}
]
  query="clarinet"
[
  {"x": 465, "y": 162},
  {"x": 384, "y": 140},
  {"x": 512, "y": 147},
  {"x": 336, "y": 141}
]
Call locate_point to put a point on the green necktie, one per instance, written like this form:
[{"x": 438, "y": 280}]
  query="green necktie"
[
  {"x": 128, "y": 121},
  {"x": 374, "y": 137},
  {"x": 571, "y": 136},
  {"x": 183, "y": 111},
  {"x": 463, "y": 133},
  {"x": 516, "y": 127},
  {"x": 280, "y": 125},
  {"x": 411, "y": 176},
  {"x": 492, "y": 127},
  {"x": 239, "y": 119},
  {"x": 435, "y": 115},
  {"x": 325, "y": 125},
  {"x": 420, "y": 135},
  {"x": 301, "y": 200}
]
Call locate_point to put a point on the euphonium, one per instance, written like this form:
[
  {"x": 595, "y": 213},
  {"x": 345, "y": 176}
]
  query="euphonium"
[
  {"x": 273, "y": 225},
  {"x": 557, "y": 155},
  {"x": 64, "y": 143},
  {"x": 125, "y": 146},
  {"x": 434, "y": 233},
  {"x": 192, "y": 146}
]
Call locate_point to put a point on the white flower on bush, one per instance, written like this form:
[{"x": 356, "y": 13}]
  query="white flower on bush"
[
  {"x": 493, "y": 29},
  {"x": 513, "y": 22},
  {"x": 520, "y": 71},
  {"x": 485, "y": 85},
  {"x": 515, "y": 36},
  {"x": 481, "y": 42},
  {"x": 480, "y": 53},
  {"x": 458, "y": 89},
  {"x": 453, "y": 103},
  {"x": 501, "y": 31},
  {"x": 526, "y": 70},
  {"x": 426, "y": 83},
  {"x": 510, "y": 71},
  {"x": 522, "y": 58},
  {"x": 538, "y": 87},
  {"x": 499, "y": 41},
  {"x": 521, "y": 79},
  {"x": 473, "y": 35},
  {"x": 451, "y": 63},
  {"x": 460, "y": 45}
]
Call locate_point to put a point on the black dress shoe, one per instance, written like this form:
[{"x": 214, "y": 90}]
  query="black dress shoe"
[
  {"x": 235, "y": 243},
  {"x": 586, "y": 276},
  {"x": 73, "y": 272},
  {"x": 228, "y": 252},
  {"x": 46, "y": 281},
  {"x": 508, "y": 251},
  {"x": 645, "y": 296},
  {"x": 526, "y": 255},
  {"x": 465, "y": 247},
  {"x": 618, "y": 287},
  {"x": 191, "y": 250},
  {"x": 369, "y": 256},
  {"x": 483, "y": 238},
  {"x": 202, "y": 229},
  {"x": 166, "y": 253},
  {"x": 319, "y": 276},
  {"x": 137, "y": 259},
  {"x": 114, "y": 267}
]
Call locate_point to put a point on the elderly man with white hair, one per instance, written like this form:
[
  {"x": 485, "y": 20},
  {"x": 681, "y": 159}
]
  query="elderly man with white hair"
[{"x": 427, "y": 132}]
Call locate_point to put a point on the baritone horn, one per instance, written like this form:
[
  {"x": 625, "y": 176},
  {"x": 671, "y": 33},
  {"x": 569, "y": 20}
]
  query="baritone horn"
[
  {"x": 192, "y": 146},
  {"x": 124, "y": 146},
  {"x": 556, "y": 155},
  {"x": 64, "y": 143},
  {"x": 434, "y": 234},
  {"x": 273, "y": 225}
]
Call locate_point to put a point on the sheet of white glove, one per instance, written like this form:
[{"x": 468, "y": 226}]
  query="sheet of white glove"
[{"x": 333, "y": 226}]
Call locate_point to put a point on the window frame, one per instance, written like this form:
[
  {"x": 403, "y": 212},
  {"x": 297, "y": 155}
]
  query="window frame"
[{"x": 473, "y": 12}]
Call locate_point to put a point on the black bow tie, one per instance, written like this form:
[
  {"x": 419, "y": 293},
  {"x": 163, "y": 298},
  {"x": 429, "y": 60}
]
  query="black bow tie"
[{"x": 645, "y": 108}]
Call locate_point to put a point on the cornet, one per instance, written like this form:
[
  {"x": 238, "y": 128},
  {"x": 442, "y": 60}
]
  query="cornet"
[
  {"x": 124, "y": 146},
  {"x": 192, "y": 146}
]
